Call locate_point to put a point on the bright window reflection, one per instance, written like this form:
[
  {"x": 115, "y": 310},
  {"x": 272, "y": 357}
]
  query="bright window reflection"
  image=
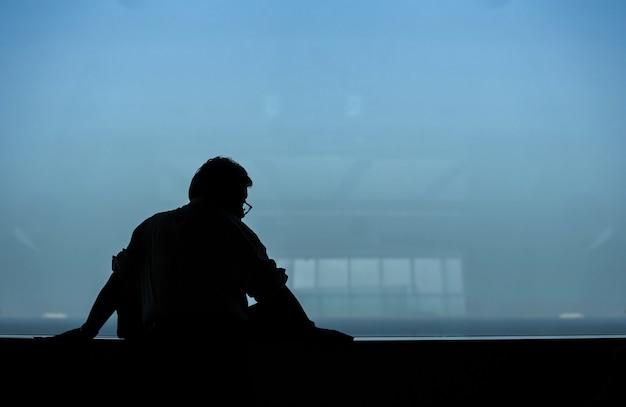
[{"x": 399, "y": 288}]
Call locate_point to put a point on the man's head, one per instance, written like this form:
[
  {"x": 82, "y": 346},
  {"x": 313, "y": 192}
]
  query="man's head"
[{"x": 222, "y": 181}]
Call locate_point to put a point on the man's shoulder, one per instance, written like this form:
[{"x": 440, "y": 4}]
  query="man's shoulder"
[
  {"x": 189, "y": 211},
  {"x": 170, "y": 212},
  {"x": 159, "y": 217}
]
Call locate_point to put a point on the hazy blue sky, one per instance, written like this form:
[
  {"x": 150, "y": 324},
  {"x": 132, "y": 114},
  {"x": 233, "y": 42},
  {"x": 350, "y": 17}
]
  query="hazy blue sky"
[{"x": 107, "y": 108}]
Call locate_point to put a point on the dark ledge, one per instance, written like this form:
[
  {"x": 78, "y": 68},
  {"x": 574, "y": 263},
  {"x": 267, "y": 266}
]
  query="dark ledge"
[{"x": 375, "y": 372}]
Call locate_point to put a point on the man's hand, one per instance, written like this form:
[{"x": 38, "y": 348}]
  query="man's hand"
[{"x": 76, "y": 336}]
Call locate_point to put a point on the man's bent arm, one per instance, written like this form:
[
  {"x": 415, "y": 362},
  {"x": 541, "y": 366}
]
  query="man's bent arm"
[{"x": 103, "y": 307}]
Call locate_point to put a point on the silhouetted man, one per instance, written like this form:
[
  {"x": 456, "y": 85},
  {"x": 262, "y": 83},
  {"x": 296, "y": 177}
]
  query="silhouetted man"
[{"x": 182, "y": 282}]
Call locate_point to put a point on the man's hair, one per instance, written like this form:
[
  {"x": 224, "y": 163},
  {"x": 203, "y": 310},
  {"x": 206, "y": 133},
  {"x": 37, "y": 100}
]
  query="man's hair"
[{"x": 218, "y": 178}]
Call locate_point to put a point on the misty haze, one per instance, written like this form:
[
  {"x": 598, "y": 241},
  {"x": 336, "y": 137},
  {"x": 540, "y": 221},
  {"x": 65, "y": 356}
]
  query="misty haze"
[{"x": 420, "y": 169}]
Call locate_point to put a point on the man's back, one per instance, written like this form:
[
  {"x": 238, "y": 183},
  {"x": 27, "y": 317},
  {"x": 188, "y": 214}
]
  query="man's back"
[{"x": 196, "y": 264}]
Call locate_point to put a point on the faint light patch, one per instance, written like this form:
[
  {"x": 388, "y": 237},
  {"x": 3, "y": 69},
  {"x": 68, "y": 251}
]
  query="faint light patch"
[
  {"x": 571, "y": 315},
  {"x": 54, "y": 315},
  {"x": 604, "y": 236},
  {"x": 271, "y": 105},
  {"x": 354, "y": 105},
  {"x": 23, "y": 238}
]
